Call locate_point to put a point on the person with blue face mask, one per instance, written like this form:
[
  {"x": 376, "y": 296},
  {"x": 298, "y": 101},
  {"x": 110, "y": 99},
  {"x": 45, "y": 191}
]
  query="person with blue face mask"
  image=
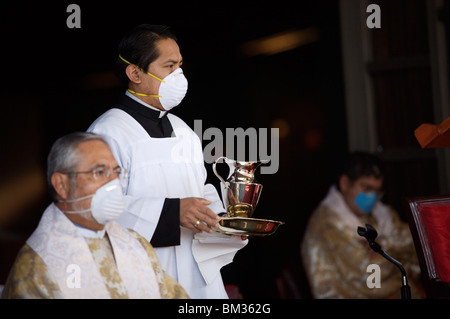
[
  {"x": 362, "y": 193},
  {"x": 335, "y": 258}
]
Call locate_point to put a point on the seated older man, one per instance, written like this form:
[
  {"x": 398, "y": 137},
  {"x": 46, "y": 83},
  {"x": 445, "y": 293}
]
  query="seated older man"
[{"x": 78, "y": 250}]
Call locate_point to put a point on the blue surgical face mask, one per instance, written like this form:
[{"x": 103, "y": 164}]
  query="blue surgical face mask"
[{"x": 366, "y": 201}]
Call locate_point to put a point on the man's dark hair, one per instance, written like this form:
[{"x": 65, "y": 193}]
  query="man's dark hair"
[
  {"x": 361, "y": 164},
  {"x": 138, "y": 47}
]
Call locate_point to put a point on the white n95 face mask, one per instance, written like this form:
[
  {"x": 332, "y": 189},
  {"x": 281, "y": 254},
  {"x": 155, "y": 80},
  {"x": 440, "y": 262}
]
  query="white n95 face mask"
[
  {"x": 172, "y": 90},
  {"x": 107, "y": 203}
]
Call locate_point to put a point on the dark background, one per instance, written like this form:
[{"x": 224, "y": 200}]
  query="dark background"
[{"x": 57, "y": 80}]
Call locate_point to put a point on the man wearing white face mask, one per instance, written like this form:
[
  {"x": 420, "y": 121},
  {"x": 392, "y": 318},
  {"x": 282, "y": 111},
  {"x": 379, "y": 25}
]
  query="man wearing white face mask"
[
  {"x": 167, "y": 201},
  {"x": 78, "y": 250}
]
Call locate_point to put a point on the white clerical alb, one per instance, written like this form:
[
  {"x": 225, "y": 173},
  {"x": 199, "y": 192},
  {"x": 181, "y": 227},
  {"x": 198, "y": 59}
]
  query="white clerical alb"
[{"x": 161, "y": 168}]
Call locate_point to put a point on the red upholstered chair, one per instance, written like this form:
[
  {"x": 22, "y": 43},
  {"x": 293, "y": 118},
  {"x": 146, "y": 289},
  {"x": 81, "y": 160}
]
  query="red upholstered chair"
[{"x": 429, "y": 220}]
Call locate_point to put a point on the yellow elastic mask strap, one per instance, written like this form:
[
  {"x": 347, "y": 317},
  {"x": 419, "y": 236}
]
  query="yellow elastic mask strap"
[
  {"x": 142, "y": 94},
  {"x": 154, "y": 76}
]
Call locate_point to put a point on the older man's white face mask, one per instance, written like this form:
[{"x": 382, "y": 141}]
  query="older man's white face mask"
[{"x": 107, "y": 203}]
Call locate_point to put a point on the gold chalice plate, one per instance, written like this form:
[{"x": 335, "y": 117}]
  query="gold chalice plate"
[{"x": 247, "y": 226}]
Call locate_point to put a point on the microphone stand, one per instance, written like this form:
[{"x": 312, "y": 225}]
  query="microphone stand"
[{"x": 370, "y": 234}]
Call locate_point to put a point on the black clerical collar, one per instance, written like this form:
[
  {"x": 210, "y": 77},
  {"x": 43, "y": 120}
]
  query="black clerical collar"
[
  {"x": 143, "y": 108},
  {"x": 154, "y": 122}
]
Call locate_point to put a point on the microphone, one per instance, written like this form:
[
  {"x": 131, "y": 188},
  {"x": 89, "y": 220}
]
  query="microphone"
[{"x": 370, "y": 234}]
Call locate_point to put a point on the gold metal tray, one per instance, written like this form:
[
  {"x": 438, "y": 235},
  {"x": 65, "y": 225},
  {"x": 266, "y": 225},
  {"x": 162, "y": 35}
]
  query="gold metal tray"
[{"x": 247, "y": 226}]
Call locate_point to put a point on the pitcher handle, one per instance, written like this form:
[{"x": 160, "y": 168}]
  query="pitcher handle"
[{"x": 230, "y": 165}]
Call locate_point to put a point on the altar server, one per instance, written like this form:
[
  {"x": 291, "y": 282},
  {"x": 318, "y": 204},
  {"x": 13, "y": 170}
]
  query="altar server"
[{"x": 167, "y": 201}]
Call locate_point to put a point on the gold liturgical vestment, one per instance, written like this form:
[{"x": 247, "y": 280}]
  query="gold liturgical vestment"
[
  {"x": 336, "y": 258},
  {"x": 120, "y": 264}
]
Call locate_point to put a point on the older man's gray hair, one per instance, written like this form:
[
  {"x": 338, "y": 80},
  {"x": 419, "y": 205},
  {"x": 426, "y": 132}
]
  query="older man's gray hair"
[{"x": 64, "y": 157}]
